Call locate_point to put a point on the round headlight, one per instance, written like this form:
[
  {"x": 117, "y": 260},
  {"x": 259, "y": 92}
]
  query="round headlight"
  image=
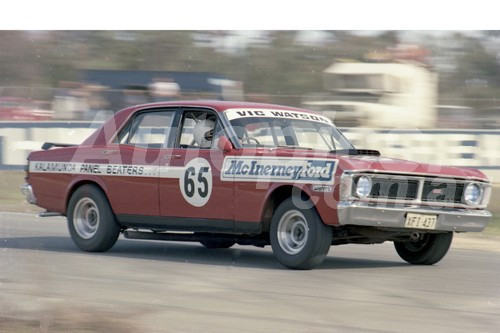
[
  {"x": 363, "y": 187},
  {"x": 472, "y": 194}
]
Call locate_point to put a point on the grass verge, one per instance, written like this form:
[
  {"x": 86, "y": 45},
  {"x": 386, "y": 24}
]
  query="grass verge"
[{"x": 11, "y": 199}]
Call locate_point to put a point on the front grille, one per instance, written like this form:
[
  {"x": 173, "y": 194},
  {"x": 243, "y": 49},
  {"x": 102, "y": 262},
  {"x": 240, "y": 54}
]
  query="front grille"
[
  {"x": 394, "y": 189},
  {"x": 442, "y": 191},
  {"x": 397, "y": 187}
]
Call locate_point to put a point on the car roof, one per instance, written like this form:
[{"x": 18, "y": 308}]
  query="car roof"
[
  {"x": 99, "y": 137},
  {"x": 219, "y": 106}
]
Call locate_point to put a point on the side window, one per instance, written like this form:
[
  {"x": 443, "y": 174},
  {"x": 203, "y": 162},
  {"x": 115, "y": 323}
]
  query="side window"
[
  {"x": 197, "y": 130},
  {"x": 149, "y": 129}
]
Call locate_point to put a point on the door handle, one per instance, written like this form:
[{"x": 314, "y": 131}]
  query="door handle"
[
  {"x": 175, "y": 156},
  {"x": 109, "y": 151}
]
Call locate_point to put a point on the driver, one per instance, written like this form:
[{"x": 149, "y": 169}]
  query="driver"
[
  {"x": 203, "y": 133},
  {"x": 240, "y": 133}
]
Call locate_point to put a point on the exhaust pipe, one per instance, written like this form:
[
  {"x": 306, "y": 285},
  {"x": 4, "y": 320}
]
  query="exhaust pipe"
[{"x": 415, "y": 236}]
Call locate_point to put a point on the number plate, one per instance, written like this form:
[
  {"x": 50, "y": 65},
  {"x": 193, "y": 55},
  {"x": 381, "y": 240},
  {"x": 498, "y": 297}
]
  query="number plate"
[{"x": 419, "y": 221}]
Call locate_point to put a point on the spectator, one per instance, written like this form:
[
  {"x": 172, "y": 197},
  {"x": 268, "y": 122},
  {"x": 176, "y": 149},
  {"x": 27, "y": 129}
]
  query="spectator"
[
  {"x": 97, "y": 103},
  {"x": 134, "y": 95},
  {"x": 164, "y": 89},
  {"x": 70, "y": 101}
]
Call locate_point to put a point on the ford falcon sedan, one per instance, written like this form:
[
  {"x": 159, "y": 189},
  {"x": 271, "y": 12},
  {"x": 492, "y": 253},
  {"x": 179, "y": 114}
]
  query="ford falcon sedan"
[{"x": 225, "y": 173}]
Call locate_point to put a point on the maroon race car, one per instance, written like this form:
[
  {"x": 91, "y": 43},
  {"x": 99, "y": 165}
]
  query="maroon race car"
[{"x": 222, "y": 173}]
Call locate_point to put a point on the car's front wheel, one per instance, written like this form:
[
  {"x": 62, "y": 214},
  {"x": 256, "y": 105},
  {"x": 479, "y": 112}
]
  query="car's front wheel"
[
  {"x": 299, "y": 238},
  {"x": 91, "y": 222},
  {"x": 428, "y": 249}
]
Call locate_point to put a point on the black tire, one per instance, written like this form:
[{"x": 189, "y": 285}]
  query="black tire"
[
  {"x": 91, "y": 222},
  {"x": 428, "y": 250},
  {"x": 217, "y": 244},
  {"x": 299, "y": 238}
]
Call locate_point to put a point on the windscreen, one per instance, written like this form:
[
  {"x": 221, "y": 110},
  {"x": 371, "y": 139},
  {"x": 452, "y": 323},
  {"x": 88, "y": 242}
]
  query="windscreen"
[{"x": 268, "y": 128}]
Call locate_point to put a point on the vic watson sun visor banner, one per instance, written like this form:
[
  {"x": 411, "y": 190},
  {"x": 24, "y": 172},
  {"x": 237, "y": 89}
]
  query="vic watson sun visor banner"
[
  {"x": 232, "y": 114},
  {"x": 273, "y": 169}
]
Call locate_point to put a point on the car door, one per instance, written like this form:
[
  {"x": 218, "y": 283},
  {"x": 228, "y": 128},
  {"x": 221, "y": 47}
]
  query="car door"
[
  {"x": 134, "y": 157},
  {"x": 192, "y": 195}
]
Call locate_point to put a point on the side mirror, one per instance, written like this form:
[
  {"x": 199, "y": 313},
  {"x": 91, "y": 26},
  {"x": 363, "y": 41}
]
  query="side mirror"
[{"x": 224, "y": 144}]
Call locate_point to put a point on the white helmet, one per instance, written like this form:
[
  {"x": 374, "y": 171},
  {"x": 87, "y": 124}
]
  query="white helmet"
[{"x": 203, "y": 133}]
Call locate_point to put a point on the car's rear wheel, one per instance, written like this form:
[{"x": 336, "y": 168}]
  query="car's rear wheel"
[
  {"x": 428, "y": 249},
  {"x": 299, "y": 238},
  {"x": 91, "y": 222}
]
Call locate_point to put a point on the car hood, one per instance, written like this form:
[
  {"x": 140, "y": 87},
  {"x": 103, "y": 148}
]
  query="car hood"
[
  {"x": 391, "y": 165},
  {"x": 382, "y": 164},
  {"x": 347, "y": 162}
]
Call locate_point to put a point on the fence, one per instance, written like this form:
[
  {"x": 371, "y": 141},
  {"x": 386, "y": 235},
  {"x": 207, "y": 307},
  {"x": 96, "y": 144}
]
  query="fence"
[
  {"x": 17, "y": 139},
  {"x": 469, "y": 148}
]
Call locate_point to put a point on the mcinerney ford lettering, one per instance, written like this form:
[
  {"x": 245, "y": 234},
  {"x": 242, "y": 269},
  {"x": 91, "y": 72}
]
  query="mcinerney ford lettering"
[{"x": 290, "y": 170}]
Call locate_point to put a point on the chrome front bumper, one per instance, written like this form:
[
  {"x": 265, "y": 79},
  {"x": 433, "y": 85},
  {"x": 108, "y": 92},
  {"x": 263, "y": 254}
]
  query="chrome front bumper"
[
  {"x": 366, "y": 214},
  {"x": 27, "y": 191}
]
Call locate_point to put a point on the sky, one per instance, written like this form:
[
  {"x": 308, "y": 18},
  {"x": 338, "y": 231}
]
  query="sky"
[{"x": 251, "y": 15}]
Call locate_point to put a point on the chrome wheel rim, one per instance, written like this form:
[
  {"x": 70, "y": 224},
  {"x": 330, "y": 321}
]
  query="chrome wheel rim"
[
  {"x": 86, "y": 218},
  {"x": 292, "y": 232}
]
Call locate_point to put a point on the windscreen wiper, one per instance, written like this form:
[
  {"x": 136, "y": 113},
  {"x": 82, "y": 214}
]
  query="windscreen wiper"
[
  {"x": 294, "y": 147},
  {"x": 369, "y": 152}
]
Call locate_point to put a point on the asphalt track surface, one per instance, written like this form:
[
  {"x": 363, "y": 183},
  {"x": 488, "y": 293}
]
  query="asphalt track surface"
[{"x": 48, "y": 285}]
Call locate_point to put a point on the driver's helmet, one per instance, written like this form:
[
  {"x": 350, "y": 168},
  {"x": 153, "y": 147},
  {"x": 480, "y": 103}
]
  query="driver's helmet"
[{"x": 203, "y": 133}]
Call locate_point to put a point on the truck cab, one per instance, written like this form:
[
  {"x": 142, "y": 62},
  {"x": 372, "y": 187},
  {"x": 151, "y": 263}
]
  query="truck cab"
[{"x": 378, "y": 95}]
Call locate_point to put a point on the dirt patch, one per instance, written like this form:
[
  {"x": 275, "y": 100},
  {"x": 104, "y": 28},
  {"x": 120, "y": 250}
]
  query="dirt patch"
[{"x": 66, "y": 320}]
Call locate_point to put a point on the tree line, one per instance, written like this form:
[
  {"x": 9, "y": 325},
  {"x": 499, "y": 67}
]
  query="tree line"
[{"x": 283, "y": 68}]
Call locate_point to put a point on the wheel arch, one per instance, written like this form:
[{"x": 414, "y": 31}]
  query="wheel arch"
[
  {"x": 77, "y": 183},
  {"x": 275, "y": 198}
]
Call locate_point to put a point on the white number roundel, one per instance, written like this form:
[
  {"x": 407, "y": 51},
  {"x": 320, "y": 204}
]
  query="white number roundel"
[{"x": 196, "y": 182}]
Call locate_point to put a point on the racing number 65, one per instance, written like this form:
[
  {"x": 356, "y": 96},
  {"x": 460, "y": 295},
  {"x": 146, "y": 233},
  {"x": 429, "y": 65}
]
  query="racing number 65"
[
  {"x": 189, "y": 183},
  {"x": 196, "y": 182}
]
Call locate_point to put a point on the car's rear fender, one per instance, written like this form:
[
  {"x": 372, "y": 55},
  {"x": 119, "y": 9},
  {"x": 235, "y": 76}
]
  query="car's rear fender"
[{"x": 79, "y": 181}]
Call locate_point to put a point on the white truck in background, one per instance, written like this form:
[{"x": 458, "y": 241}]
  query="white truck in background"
[{"x": 378, "y": 95}]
